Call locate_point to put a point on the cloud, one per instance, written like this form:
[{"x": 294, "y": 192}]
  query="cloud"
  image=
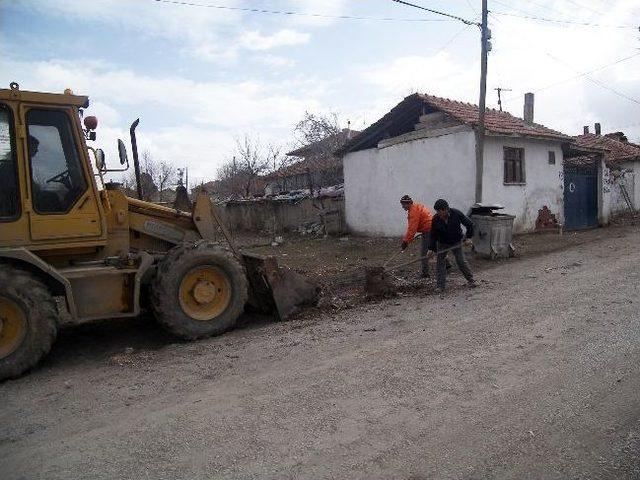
[
  {"x": 207, "y": 34},
  {"x": 253, "y": 40},
  {"x": 544, "y": 58},
  {"x": 195, "y": 122},
  {"x": 276, "y": 61},
  {"x": 439, "y": 75},
  {"x": 316, "y": 11}
]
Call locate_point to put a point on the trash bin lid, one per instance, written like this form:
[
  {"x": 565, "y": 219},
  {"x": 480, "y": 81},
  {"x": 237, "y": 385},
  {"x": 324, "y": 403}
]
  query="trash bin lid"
[{"x": 484, "y": 208}]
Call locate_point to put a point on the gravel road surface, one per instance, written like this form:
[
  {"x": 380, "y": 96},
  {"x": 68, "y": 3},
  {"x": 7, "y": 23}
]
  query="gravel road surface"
[{"x": 535, "y": 374}]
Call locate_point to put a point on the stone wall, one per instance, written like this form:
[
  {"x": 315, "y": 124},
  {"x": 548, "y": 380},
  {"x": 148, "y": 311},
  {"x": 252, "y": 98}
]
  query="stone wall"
[{"x": 284, "y": 217}]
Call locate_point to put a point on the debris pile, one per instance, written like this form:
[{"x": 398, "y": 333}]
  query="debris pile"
[
  {"x": 311, "y": 228},
  {"x": 378, "y": 283}
]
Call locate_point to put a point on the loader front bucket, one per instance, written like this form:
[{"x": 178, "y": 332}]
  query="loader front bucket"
[{"x": 277, "y": 289}]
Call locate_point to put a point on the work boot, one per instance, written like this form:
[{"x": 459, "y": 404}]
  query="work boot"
[
  {"x": 439, "y": 291},
  {"x": 424, "y": 275},
  {"x": 472, "y": 284}
]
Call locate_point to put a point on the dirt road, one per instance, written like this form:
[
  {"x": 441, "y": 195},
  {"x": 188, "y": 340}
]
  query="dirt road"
[{"x": 535, "y": 374}]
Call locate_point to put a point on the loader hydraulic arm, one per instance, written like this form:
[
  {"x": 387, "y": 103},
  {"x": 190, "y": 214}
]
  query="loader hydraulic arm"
[{"x": 206, "y": 219}]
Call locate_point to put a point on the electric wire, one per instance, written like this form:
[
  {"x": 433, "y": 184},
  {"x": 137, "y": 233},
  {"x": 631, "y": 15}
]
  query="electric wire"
[
  {"x": 581, "y": 74},
  {"x": 450, "y": 41},
  {"x": 298, "y": 14},
  {"x": 564, "y": 22},
  {"x": 437, "y": 12},
  {"x": 596, "y": 82}
]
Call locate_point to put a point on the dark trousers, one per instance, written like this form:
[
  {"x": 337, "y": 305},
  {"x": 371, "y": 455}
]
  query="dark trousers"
[
  {"x": 424, "y": 248},
  {"x": 441, "y": 265}
]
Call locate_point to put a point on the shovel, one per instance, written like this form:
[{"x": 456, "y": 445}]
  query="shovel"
[{"x": 377, "y": 282}]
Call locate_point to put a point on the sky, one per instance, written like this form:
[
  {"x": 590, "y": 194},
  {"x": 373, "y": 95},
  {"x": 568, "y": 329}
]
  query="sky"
[{"x": 199, "y": 76}]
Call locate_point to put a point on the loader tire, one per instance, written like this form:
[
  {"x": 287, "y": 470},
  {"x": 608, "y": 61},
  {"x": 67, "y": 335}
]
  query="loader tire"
[
  {"x": 28, "y": 321},
  {"x": 199, "y": 290}
]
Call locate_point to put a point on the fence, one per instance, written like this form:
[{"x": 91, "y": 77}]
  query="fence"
[{"x": 275, "y": 216}]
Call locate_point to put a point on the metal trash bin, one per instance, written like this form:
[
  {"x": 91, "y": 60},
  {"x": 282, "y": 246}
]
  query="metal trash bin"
[{"x": 493, "y": 231}]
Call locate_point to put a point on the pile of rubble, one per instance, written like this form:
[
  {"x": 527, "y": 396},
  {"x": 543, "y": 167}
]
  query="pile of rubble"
[{"x": 311, "y": 228}]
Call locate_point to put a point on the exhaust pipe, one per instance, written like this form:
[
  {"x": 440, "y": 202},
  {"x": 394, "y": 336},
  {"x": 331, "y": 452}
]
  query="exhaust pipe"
[{"x": 136, "y": 162}]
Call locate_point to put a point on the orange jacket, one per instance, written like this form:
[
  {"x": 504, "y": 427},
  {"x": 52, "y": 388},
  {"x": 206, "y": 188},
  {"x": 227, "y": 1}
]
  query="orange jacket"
[{"x": 419, "y": 221}]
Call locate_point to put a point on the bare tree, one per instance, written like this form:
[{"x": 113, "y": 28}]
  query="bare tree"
[
  {"x": 155, "y": 176},
  {"x": 228, "y": 177},
  {"x": 251, "y": 161},
  {"x": 166, "y": 175},
  {"x": 276, "y": 157},
  {"x": 320, "y": 133}
]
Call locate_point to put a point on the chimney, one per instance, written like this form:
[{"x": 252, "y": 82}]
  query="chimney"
[
  {"x": 585, "y": 129},
  {"x": 528, "y": 108},
  {"x": 597, "y": 129}
]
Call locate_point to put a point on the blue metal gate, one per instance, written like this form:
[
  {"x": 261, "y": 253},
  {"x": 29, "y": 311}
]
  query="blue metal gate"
[{"x": 580, "y": 197}]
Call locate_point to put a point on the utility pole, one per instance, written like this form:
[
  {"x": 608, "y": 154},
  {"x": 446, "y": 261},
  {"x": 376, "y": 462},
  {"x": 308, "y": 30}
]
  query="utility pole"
[
  {"x": 500, "y": 90},
  {"x": 485, "y": 35}
]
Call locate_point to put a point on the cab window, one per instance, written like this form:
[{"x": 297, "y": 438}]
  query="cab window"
[
  {"x": 57, "y": 178},
  {"x": 9, "y": 198}
]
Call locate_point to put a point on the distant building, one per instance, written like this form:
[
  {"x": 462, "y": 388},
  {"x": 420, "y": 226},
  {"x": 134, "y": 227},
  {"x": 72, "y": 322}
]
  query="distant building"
[
  {"x": 603, "y": 181},
  {"x": 317, "y": 168}
]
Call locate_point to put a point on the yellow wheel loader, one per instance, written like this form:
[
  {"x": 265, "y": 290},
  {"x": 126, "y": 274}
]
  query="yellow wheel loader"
[{"x": 74, "y": 249}]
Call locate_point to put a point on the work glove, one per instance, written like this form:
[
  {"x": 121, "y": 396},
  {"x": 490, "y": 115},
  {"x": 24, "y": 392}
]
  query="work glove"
[
  {"x": 467, "y": 242},
  {"x": 404, "y": 246}
]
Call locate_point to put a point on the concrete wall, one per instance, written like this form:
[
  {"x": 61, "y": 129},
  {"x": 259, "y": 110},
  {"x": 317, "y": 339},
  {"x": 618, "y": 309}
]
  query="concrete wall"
[
  {"x": 613, "y": 200},
  {"x": 278, "y": 217},
  {"x": 426, "y": 169},
  {"x": 544, "y": 183}
]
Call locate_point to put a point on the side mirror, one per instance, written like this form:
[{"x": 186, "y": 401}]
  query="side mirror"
[
  {"x": 122, "y": 153},
  {"x": 100, "y": 162}
]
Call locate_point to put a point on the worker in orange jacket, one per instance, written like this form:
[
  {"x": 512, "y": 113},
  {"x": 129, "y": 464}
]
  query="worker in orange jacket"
[{"x": 419, "y": 218}]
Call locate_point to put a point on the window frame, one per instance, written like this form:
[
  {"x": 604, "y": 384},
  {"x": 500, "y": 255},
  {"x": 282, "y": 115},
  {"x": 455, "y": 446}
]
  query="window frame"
[
  {"x": 523, "y": 177},
  {"x": 14, "y": 153},
  {"x": 73, "y": 132},
  {"x": 552, "y": 157}
]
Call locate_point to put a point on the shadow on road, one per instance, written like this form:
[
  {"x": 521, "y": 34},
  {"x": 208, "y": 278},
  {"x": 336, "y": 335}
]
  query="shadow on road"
[{"x": 100, "y": 340}]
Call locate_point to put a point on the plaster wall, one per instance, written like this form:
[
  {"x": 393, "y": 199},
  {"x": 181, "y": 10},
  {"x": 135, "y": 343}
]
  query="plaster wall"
[
  {"x": 426, "y": 168},
  {"x": 444, "y": 167},
  {"x": 544, "y": 182}
]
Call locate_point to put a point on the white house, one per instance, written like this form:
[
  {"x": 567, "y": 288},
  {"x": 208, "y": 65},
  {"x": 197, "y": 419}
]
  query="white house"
[{"x": 425, "y": 147}]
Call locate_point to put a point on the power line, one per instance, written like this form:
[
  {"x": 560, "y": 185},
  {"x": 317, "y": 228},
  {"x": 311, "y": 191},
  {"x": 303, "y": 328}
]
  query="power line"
[
  {"x": 540, "y": 5},
  {"x": 583, "y": 6},
  {"x": 450, "y": 41},
  {"x": 596, "y": 82},
  {"x": 473, "y": 9},
  {"x": 297, "y": 14},
  {"x": 455, "y": 17},
  {"x": 565, "y": 22},
  {"x": 582, "y": 74}
]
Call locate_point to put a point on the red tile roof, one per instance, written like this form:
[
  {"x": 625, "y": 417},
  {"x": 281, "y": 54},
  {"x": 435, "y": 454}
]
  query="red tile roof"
[
  {"x": 403, "y": 117},
  {"x": 497, "y": 122},
  {"x": 615, "y": 151}
]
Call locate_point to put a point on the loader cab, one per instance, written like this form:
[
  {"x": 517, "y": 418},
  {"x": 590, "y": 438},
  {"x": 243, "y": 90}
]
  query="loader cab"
[{"x": 48, "y": 194}]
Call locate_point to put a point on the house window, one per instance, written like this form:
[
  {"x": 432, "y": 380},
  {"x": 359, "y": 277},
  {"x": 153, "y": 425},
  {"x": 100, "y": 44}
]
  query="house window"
[
  {"x": 552, "y": 157},
  {"x": 514, "y": 165}
]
